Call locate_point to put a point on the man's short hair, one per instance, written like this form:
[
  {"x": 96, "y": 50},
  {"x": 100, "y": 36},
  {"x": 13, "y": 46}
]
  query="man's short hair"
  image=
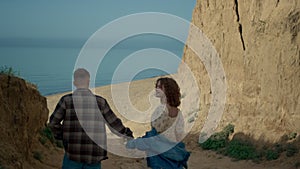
[{"x": 81, "y": 74}]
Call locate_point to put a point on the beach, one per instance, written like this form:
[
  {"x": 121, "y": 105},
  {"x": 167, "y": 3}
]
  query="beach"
[{"x": 141, "y": 97}]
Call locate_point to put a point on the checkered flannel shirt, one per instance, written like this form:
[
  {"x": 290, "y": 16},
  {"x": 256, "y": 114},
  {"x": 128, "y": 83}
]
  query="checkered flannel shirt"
[{"x": 83, "y": 131}]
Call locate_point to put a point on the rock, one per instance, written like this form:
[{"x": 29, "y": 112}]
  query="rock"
[{"x": 258, "y": 45}]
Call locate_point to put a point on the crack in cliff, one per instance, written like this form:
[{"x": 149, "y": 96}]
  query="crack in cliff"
[
  {"x": 240, "y": 28},
  {"x": 277, "y": 3},
  {"x": 241, "y": 34},
  {"x": 237, "y": 10}
]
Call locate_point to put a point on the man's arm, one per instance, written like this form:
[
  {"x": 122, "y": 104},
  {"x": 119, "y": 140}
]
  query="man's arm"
[
  {"x": 55, "y": 119},
  {"x": 113, "y": 122}
]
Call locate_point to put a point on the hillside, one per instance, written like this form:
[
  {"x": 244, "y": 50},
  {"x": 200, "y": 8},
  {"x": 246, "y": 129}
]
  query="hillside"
[{"x": 24, "y": 114}]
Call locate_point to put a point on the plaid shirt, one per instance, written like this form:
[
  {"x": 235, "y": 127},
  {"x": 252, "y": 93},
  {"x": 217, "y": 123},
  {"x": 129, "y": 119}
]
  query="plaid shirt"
[{"x": 83, "y": 131}]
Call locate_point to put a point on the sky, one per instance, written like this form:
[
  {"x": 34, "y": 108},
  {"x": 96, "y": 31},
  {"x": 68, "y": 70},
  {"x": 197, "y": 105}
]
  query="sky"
[
  {"x": 39, "y": 35},
  {"x": 33, "y": 21}
]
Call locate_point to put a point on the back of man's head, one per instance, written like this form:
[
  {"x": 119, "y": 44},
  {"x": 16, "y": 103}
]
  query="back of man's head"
[{"x": 81, "y": 77}]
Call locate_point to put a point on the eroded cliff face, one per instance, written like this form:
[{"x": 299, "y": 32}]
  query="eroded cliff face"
[
  {"x": 258, "y": 45},
  {"x": 23, "y": 114}
]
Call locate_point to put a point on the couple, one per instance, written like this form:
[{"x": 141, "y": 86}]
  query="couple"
[{"x": 83, "y": 127}]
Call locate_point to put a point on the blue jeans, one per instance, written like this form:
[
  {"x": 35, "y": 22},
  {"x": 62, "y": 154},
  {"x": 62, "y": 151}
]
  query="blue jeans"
[{"x": 69, "y": 164}]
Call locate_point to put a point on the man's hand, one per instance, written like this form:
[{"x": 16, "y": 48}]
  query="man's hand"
[{"x": 128, "y": 132}]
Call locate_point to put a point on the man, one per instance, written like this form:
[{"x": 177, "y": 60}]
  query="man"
[{"x": 83, "y": 116}]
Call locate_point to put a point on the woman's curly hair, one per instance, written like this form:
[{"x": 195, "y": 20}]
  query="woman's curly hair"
[{"x": 172, "y": 90}]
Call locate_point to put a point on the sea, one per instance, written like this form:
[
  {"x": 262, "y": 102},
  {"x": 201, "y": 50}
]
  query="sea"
[{"x": 50, "y": 65}]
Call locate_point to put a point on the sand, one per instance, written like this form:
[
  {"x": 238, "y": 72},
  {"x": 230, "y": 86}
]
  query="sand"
[{"x": 141, "y": 97}]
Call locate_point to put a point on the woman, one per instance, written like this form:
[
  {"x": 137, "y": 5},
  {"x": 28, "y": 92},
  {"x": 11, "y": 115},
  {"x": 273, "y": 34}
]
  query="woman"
[
  {"x": 163, "y": 143},
  {"x": 167, "y": 118}
]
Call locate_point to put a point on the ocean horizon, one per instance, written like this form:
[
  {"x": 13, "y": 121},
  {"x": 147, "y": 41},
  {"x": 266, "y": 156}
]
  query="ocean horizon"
[{"x": 50, "y": 66}]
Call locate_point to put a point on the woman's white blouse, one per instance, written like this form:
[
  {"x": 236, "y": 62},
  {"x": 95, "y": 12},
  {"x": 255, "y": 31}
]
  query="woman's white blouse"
[{"x": 170, "y": 127}]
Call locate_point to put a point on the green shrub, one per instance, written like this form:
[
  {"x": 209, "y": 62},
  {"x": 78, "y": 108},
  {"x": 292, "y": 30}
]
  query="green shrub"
[
  {"x": 43, "y": 140},
  {"x": 47, "y": 133},
  {"x": 214, "y": 144},
  {"x": 291, "y": 150},
  {"x": 38, "y": 155},
  {"x": 241, "y": 150},
  {"x": 292, "y": 136},
  {"x": 59, "y": 143},
  {"x": 218, "y": 140},
  {"x": 229, "y": 129},
  {"x": 274, "y": 152},
  {"x": 272, "y": 155},
  {"x": 279, "y": 148}
]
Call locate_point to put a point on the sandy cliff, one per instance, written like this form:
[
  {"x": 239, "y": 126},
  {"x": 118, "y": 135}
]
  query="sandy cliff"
[
  {"x": 258, "y": 45},
  {"x": 23, "y": 114}
]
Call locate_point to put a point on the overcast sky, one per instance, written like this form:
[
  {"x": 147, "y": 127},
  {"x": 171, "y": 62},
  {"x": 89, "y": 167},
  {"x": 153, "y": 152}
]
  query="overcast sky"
[{"x": 75, "y": 19}]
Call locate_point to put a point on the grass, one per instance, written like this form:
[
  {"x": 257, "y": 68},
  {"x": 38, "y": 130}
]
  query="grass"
[
  {"x": 47, "y": 135},
  {"x": 8, "y": 71},
  {"x": 241, "y": 149}
]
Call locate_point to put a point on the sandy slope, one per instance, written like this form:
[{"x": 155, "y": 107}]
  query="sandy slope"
[{"x": 141, "y": 97}]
